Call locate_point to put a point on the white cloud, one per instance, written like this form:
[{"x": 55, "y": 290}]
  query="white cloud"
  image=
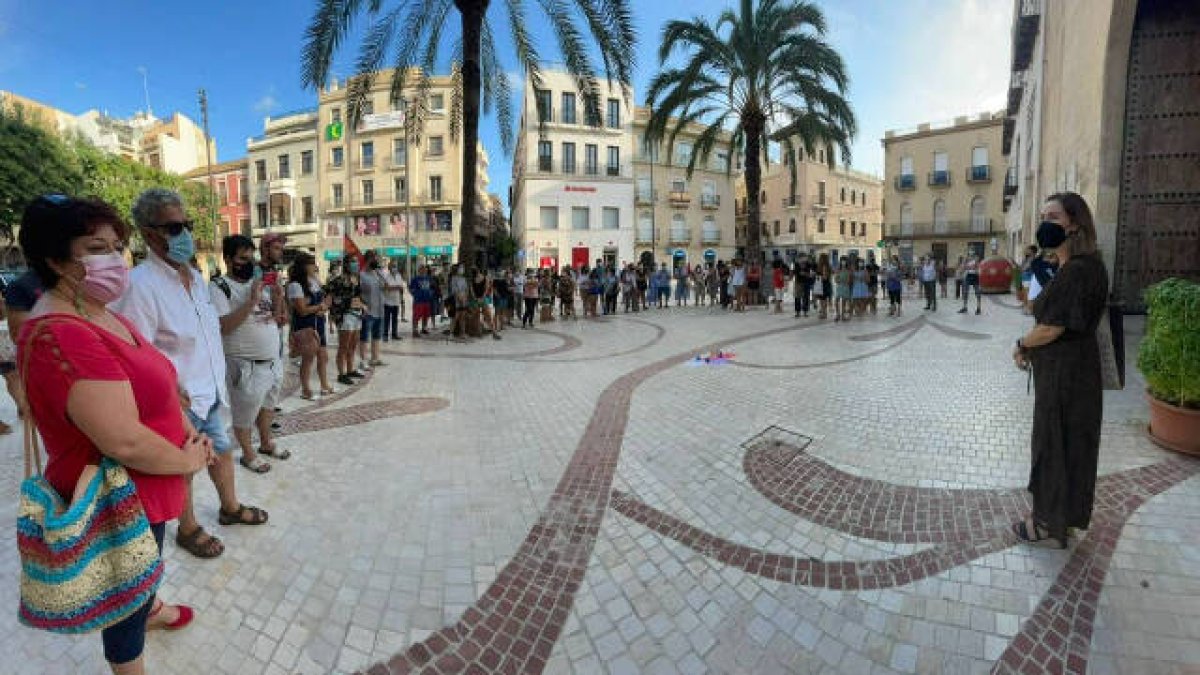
[
  {"x": 80, "y": 85},
  {"x": 267, "y": 102}
]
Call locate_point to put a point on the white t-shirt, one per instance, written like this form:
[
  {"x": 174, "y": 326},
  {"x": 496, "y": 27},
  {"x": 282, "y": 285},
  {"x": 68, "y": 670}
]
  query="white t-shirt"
[
  {"x": 392, "y": 297},
  {"x": 257, "y": 338}
]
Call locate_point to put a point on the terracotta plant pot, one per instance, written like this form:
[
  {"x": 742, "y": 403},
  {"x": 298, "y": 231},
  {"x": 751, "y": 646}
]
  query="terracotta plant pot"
[{"x": 1173, "y": 427}]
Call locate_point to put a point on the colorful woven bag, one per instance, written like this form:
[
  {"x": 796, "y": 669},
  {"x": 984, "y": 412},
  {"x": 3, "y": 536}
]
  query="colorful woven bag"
[{"x": 84, "y": 566}]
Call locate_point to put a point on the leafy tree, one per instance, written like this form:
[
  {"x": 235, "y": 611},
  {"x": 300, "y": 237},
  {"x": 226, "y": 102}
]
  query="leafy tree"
[
  {"x": 33, "y": 162},
  {"x": 410, "y": 35},
  {"x": 766, "y": 74}
]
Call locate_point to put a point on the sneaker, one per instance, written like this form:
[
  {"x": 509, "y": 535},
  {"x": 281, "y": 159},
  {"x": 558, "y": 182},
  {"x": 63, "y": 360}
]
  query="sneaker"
[
  {"x": 963, "y": 310},
  {"x": 345, "y": 379},
  {"x": 355, "y": 374}
]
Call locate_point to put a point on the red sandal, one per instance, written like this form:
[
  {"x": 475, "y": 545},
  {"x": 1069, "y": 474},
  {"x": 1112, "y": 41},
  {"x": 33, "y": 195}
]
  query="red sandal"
[{"x": 185, "y": 617}]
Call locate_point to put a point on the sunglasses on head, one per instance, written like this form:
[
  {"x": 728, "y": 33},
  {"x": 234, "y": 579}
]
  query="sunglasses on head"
[
  {"x": 174, "y": 228},
  {"x": 57, "y": 198}
]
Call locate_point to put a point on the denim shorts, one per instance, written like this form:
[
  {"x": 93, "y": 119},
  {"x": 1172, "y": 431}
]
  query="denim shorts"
[
  {"x": 215, "y": 427},
  {"x": 372, "y": 327}
]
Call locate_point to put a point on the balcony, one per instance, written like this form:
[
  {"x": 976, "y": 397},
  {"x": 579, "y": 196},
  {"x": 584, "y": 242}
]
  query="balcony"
[
  {"x": 710, "y": 202},
  {"x": 680, "y": 199},
  {"x": 952, "y": 229},
  {"x": 939, "y": 179},
  {"x": 711, "y": 237},
  {"x": 905, "y": 182},
  {"x": 1010, "y": 182},
  {"x": 645, "y": 197},
  {"x": 365, "y": 164},
  {"x": 545, "y": 165},
  {"x": 644, "y": 235},
  {"x": 1010, "y": 126},
  {"x": 979, "y": 174},
  {"x": 680, "y": 237},
  {"x": 791, "y": 202},
  {"x": 335, "y": 166},
  {"x": 1016, "y": 88},
  {"x": 1025, "y": 30},
  {"x": 396, "y": 163}
]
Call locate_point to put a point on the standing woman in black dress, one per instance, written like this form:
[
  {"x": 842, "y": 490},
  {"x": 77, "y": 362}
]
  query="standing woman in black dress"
[{"x": 1062, "y": 350}]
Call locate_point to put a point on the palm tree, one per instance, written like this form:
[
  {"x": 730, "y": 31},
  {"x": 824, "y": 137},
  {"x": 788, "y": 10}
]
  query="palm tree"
[
  {"x": 409, "y": 36},
  {"x": 765, "y": 72}
]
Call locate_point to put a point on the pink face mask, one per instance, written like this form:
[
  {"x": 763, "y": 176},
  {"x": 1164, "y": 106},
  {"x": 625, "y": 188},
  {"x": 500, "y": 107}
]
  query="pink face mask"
[{"x": 105, "y": 277}]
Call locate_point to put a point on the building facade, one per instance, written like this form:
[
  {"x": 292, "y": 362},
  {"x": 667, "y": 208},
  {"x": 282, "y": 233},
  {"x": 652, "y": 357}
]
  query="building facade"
[
  {"x": 572, "y": 186},
  {"x": 231, "y": 183},
  {"x": 836, "y": 211},
  {"x": 284, "y": 180},
  {"x": 682, "y": 219},
  {"x": 944, "y": 189},
  {"x": 176, "y": 145},
  {"x": 386, "y": 184},
  {"x": 1102, "y": 103}
]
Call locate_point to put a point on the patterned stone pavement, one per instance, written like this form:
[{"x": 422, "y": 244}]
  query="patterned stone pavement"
[{"x": 586, "y": 497}]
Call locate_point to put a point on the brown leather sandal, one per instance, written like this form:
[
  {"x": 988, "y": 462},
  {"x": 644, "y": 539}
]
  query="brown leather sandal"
[
  {"x": 208, "y": 548},
  {"x": 256, "y": 516}
]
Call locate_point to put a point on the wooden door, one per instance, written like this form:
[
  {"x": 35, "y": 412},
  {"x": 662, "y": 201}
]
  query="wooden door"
[{"x": 1158, "y": 233}]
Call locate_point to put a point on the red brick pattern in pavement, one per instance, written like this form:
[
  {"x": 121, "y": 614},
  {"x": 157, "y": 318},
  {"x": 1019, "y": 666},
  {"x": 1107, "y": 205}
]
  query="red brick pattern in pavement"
[{"x": 310, "y": 420}]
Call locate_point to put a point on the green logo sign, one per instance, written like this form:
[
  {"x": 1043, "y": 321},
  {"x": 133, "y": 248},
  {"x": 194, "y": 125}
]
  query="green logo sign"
[{"x": 333, "y": 132}]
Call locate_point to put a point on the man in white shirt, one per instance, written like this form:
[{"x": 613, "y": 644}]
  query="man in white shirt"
[
  {"x": 929, "y": 276},
  {"x": 169, "y": 304},
  {"x": 393, "y": 302},
  {"x": 250, "y": 336}
]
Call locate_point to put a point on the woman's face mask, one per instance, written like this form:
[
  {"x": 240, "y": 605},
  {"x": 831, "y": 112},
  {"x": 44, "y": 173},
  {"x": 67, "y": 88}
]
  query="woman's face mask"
[{"x": 1050, "y": 234}]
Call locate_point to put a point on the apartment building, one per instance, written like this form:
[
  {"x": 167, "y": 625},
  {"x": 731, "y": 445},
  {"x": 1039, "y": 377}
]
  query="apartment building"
[
  {"x": 837, "y": 211},
  {"x": 382, "y": 175},
  {"x": 176, "y": 145},
  {"x": 943, "y": 188},
  {"x": 284, "y": 179},
  {"x": 682, "y": 219},
  {"x": 231, "y": 182},
  {"x": 1101, "y": 103},
  {"x": 572, "y": 187}
]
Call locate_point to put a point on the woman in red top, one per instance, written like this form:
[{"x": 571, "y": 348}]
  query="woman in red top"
[
  {"x": 96, "y": 387},
  {"x": 778, "y": 281}
]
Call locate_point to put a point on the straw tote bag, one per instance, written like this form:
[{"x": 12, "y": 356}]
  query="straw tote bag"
[{"x": 87, "y": 565}]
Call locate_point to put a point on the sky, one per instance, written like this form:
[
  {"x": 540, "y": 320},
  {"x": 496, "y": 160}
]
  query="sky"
[{"x": 909, "y": 62}]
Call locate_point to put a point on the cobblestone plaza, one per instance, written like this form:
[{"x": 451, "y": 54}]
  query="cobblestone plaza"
[{"x": 588, "y": 497}]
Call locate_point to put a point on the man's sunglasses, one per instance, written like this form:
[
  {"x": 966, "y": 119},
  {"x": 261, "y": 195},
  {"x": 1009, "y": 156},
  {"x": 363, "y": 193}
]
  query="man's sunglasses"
[{"x": 174, "y": 228}]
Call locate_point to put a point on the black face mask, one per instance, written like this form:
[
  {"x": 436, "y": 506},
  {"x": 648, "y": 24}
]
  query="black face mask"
[
  {"x": 243, "y": 272},
  {"x": 1050, "y": 235}
]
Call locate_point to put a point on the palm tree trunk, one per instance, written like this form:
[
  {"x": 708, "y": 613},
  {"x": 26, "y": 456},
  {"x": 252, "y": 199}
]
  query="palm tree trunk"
[
  {"x": 472, "y": 13},
  {"x": 754, "y": 130}
]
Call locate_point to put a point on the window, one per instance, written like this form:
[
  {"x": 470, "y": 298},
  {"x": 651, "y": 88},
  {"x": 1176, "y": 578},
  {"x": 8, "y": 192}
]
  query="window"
[
  {"x": 941, "y": 169},
  {"x": 906, "y": 219},
  {"x": 368, "y": 192},
  {"x": 645, "y": 228},
  {"x": 862, "y": 229},
  {"x": 591, "y": 159},
  {"x": 306, "y": 207},
  {"x": 979, "y": 163},
  {"x": 243, "y": 190},
  {"x": 979, "y": 221},
  {"x": 400, "y": 188},
  {"x": 863, "y": 198},
  {"x": 683, "y": 153},
  {"x": 821, "y": 192},
  {"x": 853, "y": 197},
  {"x": 821, "y": 225},
  {"x": 678, "y": 228},
  {"x": 222, "y": 192},
  {"x": 678, "y": 185},
  {"x": 436, "y": 146},
  {"x": 336, "y": 115},
  {"x": 306, "y": 163},
  {"x": 338, "y": 196},
  {"x": 285, "y": 169},
  {"x": 775, "y": 229},
  {"x": 435, "y": 188},
  {"x": 614, "y": 113},
  {"x": 437, "y": 103},
  {"x": 400, "y": 103},
  {"x": 721, "y": 161},
  {"x": 260, "y": 169},
  {"x": 568, "y": 157},
  {"x": 611, "y": 218},
  {"x": 399, "y": 152},
  {"x": 843, "y": 195},
  {"x": 614, "y": 160},
  {"x": 367, "y": 156},
  {"x": 710, "y": 232},
  {"x": 336, "y": 157},
  {"x": 821, "y": 158},
  {"x": 545, "y": 156},
  {"x": 261, "y": 210},
  {"x": 568, "y": 107},
  {"x": 940, "y": 225},
  {"x": 591, "y": 111},
  {"x": 368, "y": 107},
  {"x": 549, "y": 220},
  {"x": 545, "y": 110},
  {"x": 579, "y": 218},
  {"x": 842, "y": 226},
  {"x": 244, "y": 226},
  {"x": 792, "y": 226}
]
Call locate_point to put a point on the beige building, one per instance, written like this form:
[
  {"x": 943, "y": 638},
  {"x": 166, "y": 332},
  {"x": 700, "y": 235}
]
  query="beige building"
[
  {"x": 175, "y": 145},
  {"x": 572, "y": 186},
  {"x": 379, "y": 178},
  {"x": 284, "y": 177},
  {"x": 837, "y": 211},
  {"x": 1102, "y": 102},
  {"x": 682, "y": 219},
  {"x": 943, "y": 189}
]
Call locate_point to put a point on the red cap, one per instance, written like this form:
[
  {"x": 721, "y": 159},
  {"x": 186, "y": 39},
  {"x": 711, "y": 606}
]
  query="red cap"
[{"x": 272, "y": 237}]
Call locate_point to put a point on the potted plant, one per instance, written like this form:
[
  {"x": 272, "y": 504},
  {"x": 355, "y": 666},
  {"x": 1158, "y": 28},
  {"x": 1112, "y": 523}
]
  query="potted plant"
[{"x": 1169, "y": 358}]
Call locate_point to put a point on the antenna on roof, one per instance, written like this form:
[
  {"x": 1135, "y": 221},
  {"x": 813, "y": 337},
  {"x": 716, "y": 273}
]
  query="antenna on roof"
[{"x": 146, "y": 90}]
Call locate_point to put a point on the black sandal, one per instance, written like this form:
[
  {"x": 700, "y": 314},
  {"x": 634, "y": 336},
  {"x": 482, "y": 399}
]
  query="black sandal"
[
  {"x": 1039, "y": 535},
  {"x": 257, "y": 516}
]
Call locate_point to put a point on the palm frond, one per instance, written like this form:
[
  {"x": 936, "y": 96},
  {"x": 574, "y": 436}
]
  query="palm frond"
[
  {"x": 326, "y": 30},
  {"x": 374, "y": 49},
  {"x": 456, "y": 96}
]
